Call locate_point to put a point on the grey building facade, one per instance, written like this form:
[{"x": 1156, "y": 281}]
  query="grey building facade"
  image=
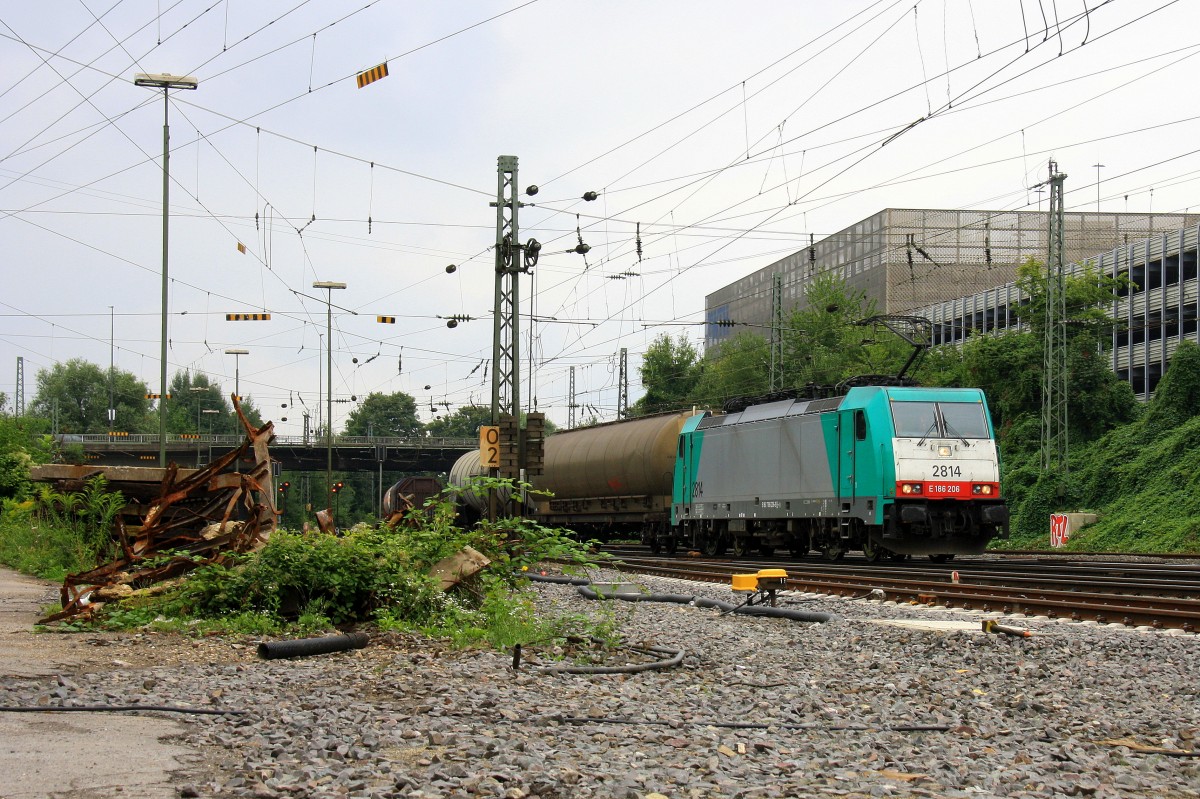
[
  {"x": 908, "y": 259},
  {"x": 1161, "y": 309}
]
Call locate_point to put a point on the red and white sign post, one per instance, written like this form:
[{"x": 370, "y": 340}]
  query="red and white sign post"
[{"x": 1058, "y": 530}]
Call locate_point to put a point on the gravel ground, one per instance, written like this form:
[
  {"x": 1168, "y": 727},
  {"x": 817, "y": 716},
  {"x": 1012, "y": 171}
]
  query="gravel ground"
[{"x": 1076, "y": 710}]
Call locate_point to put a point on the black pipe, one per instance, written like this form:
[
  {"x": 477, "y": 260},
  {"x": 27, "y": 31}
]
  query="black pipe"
[
  {"x": 547, "y": 578},
  {"x": 270, "y": 650},
  {"x": 760, "y": 610},
  {"x": 119, "y": 709},
  {"x": 704, "y": 602}
]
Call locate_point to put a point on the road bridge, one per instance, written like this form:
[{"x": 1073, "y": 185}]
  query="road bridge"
[{"x": 294, "y": 453}]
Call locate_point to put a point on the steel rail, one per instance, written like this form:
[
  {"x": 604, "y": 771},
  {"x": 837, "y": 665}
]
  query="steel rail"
[{"x": 1080, "y": 605}]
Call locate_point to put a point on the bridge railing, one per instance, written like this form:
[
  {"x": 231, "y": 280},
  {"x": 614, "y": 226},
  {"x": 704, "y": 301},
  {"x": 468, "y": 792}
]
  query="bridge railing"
[{"x": 99, "y": 440}]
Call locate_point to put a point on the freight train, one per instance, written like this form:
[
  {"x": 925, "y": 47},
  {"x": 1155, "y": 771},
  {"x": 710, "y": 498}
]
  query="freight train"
[{"x": 890, "y": 471}]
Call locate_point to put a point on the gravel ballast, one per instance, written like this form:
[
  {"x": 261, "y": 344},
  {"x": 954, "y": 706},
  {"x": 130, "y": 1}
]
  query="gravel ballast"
[{"x": 857, "y": 707}]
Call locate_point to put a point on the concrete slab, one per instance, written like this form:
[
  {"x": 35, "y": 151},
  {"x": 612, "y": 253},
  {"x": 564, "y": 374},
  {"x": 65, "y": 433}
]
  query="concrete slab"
[
  {"x": 71, "y": 754},
  {"x": 932, "y": 625}
]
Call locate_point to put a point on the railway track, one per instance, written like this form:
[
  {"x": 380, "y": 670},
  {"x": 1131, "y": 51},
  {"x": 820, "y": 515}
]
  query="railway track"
[{"x": 1156, "y": 595}]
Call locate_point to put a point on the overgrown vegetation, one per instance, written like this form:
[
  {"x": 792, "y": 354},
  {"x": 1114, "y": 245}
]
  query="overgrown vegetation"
[
  {"x": 304, "y": 582},
  {"x": 1139, "y": 478},
  {"x": 54, "y": 534}
]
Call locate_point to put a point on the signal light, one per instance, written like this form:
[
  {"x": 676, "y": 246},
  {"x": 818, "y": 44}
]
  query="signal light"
[{"x": 335, "y": 488}]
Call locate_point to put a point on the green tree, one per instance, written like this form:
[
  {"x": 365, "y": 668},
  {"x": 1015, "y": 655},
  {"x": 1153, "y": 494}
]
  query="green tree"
[
  {"x": 385, "y": 415},
  {"x": 741, "y": 367},
  {"x": 78, "y": 391},
  {"x": 192, "y": 393},
  {"x": 823, "y": 345},
  {"x": 23, "y": 442},
  {"x": 1177, "y": 396},
  {"x": 1088, "y": 294},
  {"x": 1008, "y": 367},
  {"x": 463, "y": 423},
  {"x": 670, "y": 371}
]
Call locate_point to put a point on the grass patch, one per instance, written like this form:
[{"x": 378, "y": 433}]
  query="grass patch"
[{"x": 1140, "y": 480}]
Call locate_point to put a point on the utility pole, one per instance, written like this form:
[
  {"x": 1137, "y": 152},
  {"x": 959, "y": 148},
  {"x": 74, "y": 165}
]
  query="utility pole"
[
  {"x": 1054, "y": 364},
  {"x": 776, "y": 332},
  {"x": 512, "y": 259},
  {"x": 1098, "y": 168},
  {"x": 112, "y": 327},
  {"x": 571, "y": 405},
  {"x": 19, "y": 399},
  {"x": 623, "y": 385},
  {"x": 506, "y": 362}
]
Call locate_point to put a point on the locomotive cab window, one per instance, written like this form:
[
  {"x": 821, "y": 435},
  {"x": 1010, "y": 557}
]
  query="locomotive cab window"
[
  {"x": 939, "y": 419},
  {"x": 860, "y": 426}
]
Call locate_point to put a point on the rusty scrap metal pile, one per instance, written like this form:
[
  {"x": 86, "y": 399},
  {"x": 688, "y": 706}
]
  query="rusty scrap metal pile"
[{"x": 193, "y": 520}]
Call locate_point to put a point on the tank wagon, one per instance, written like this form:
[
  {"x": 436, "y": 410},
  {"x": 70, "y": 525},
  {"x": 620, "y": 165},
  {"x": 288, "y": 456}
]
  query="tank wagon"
[
  {"x": 612, "y": 479},
  {"x": 891, "y": 471},
  {"x": 409, "y": 492}
]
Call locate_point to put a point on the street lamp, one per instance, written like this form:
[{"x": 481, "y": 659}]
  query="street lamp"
[
  {"x": 166, "y": 82},
  {"x": 329, "y": 286},
  {"x": 237, "y": 373},
  {"x": 199, "y": 392},
  {"x": 208, "y": 412},
  {"x": 237, "y": 377}
]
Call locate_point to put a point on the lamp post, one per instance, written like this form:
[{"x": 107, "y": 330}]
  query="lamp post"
[
  {"x": 199, "y": 392},
  {"x": 237, "y": 370},
  {"x": 329, "y": 286},
  {"x": 166, "y": 82},
  {"x": 209, "y": 412},
  {"x": 237, "y": 379}
]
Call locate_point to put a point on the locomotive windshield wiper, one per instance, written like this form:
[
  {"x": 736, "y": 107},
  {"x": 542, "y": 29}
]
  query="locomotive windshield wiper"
[
  {"x": 949, "y": 428},
  {"x": 933, "y": 426}
]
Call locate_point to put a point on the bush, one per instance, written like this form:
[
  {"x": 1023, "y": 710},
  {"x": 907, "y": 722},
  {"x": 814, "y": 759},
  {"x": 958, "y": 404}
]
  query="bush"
[
  {"x": 38, "y": 547},
  {"x": 382, "y": 574}
]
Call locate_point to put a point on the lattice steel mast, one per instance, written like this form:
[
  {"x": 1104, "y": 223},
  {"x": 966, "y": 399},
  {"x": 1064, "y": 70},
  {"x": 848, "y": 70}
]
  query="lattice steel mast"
[
  {"x": 1054, "y": 359},
  {"x": 777, "y": 332}
]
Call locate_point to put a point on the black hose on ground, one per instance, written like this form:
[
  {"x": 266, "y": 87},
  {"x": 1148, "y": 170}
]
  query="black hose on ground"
[
  {"x": 673, "y": 657},
  {"x": 546, "y": 578},
  {"x": 755, "y": 725},
  {"x": 704, "y": 602},
  {"x": 270, "y": 650},
  {"x": 201, "y": 711}
]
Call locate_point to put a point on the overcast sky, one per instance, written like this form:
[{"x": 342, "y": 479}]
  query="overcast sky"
[{"x": 730, "y": 132}]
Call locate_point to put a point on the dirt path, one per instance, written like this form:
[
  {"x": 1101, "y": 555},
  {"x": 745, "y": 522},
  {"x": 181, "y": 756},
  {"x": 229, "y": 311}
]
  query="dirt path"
[{"x": 72, "y": 754}]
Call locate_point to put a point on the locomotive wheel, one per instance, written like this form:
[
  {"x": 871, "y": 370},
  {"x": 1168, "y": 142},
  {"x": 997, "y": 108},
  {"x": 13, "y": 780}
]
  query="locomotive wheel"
[
  {"x": 798, "y": 551},
  {"x": 941, "y": 558},
  {"x": 655, "y": 545},
  {"x": 741, "y": 546},
  {"x": 672, "y": 544},
  {"x": 897, "y": 557},
  {"x": 873, "y": 552},
  {"x": 766, "y": 550},
  {"x": 712, "y": 545}
]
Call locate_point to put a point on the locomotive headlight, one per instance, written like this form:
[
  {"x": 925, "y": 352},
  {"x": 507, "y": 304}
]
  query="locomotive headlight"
[
  {"x": 983, "y": 489},
  {"x": 944, "y": 451},
  {"x": 910, "y": 488}
]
